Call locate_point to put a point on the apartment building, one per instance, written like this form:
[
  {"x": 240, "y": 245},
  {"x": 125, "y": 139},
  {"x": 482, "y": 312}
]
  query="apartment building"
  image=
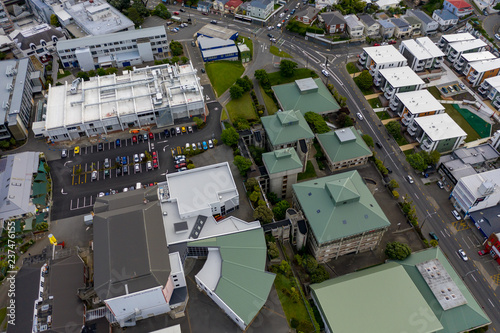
[
  {"x": 402, "y": 28},
  {"x": 439, "y": 132},
  {"x": 20, "y": 80},
  {"x": 354, "y": 26},
  {"x": 478, "y": 71},
  {"x": 455, "y": 50},
  {"x": 428, "y": 25},
  {"x": 467, "y": 58},
  {"x": 460, "y": 8},
  {"x": 342, "y": 215},
  {"x": 120, "y": 49},
  {"x": 282, "y": 167},
  {"x": 386, "y": 28},
  {"x": 376, "y": 58},
  {"x": 39, "y": 40},
  {"x": 444, "y": 18},
  {"x": 453, "y": 38},
  {"x": 491, "y": 89},
  {"x": 397, "y": 80},
  {"x": 146, "y": 96},
  {"x": 6, "y": 25},
  {"x": 372, "y": 27},
  {"x": 421, "y": 54}
]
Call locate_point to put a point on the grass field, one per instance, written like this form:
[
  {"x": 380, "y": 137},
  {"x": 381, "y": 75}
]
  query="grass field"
[
  {"x": 61, "y": 75},
  {"x": 481, "y": 127},
  {"x": 223, "y": 74},
  {"x": 375, "y": 103},
  {"x": 434, "y": 92},
  {"x": 310, "y": 172},
  {"x": 291, "y": 309},
  {"x": 300, "y": 73},
  {"x": 460, "y": 120},
  {"x": 241, "y": 108},
  {"x": 351, "y": 68},
  {"x": 276, "y": 51},
  {"x": 383, "y": 115},
  {"x": 268, "y": 101}
]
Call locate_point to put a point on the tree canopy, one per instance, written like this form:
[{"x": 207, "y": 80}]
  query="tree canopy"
[
  {"x": 364, "y": 80},
  {"x": 243, "y": 164},
  {"x": 397, "y": 251},
  {"x": 279, "y": 210},
  {"x": 229, "y": 136},
  {"x": 417, "y": 162},
  {"x": 176, "y": 48},
  {"x": 368, "y": 140},
  {"x": 263, "y": 214},
  {"x": 350, "y": 6},
  {"x": 317, "y": 123},
  {"x": 287, "y": 67},
  {"x": 162, "y": 11},
  {"x": 236, "y": 91}
]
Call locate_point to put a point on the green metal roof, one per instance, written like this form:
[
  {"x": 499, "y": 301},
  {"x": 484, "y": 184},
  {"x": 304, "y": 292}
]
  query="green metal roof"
[
  {"x": 343, "y": 144},
  {"x": 286, "y": 127},
  {"x": 41, "y": 177},
  {"x": 318, "y": 100},
  {"x": 379, "y": 299},
  {"x": 41, "y": 168},
  {"x": 281, "y": 160},
  {"x": 40, "y": 200},
  {"x": 459, "y": 319},
  {"x": 39, "y": 188},
  {"x": 244, "y": 284},
  {"x": 339, "y": 206}
]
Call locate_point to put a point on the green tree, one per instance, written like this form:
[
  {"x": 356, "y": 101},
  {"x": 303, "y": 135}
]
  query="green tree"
[
  {"x": 111, "y": 70},
  {"x": 342, "y": 100},
  {"x": 241, "y": 124},
  {"x": 254, "y": 196},
  {"x": 252, "y": 185},
  {"x": 317, "y": 123},
  {"x": 120, "y": 4},
  {"x": 199, "y": 123},
  {"x": 263, "y": 214},
  {"x": 309, "y": 263},
  {"x": 243, "y": 164},
  {"x": 285, "y": 268},
  {"x": 141, "y": 8},
  {"x": 497, "y": 6},
  {"x": 364, "y": 80},
  {"x": 175, "y": 59},
  {"x": 245, "y": 83},
  {"x": 434, "y": 243},
  {"x": 417, "y": 162},
  {"x": 395, "y": 194},
  {"x": 3, "y": 55},
  {"x": 397, "y": 251},
  {"x": 83, "y": 75},
  {"x": 135, "y": 17},
  {"x": 279, "y": 210},
  {"x": 101, "y": 72},
  {"x": 162, "y": 12},
  {"x": 273, "y": 250},
  {"x": 54, "y": 21},
  {"x": 368, "y": 140},
  {"x": 273, "y": 198},
  {"x": 394, "y": 128},
  {"x": 236, "y": 91},
  {"x": 350, "y": 6},
  {"x": 434, "y": 157},
  {"x": 393, "y": 184},
  {"x": 287, "y": 67},
  {"x": 176, "y": 48},
  {"x": 319, "y": 275},
  {"x": 229, "y": 136},
  {"x": 261, "y": 76}
]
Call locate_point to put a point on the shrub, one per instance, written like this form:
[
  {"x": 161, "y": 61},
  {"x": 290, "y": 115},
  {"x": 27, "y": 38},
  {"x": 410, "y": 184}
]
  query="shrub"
[
  {"x": 397, "y": 251},
  {"x": 395, "y": 194},
  {"x": 273, "y": 250}
]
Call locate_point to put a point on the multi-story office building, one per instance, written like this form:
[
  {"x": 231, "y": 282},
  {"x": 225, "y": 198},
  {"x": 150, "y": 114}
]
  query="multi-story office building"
[
  {"x": 453, "y": 38},
  {"x": 414, "y": 104},
  {"x": 467, "y": 58},
  {"x": 439, "y": 132},
  {"x": 152, "y": 95},
  {"x": 421, "y": 53},
  {"x": 491, "y": 89},
  {"x": 121, "y": 49},
  {"x": 478, "y": 71},
  {"x": 19, "y": 79},
  {"x": 397, "y": 80},
  {"x": 454, "y": 50},
  {"x": 429, "y": 26},
  {"x": 282, "y": 167},
  {"x": 376, "y": 58}
]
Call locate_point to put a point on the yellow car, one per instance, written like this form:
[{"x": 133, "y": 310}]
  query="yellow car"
[
  {"x": 183, "y": 129},
  {"x": 77, "y": 150}
]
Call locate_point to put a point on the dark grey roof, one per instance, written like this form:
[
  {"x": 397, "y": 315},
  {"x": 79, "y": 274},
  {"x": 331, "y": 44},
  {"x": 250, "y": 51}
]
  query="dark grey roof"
[
  {"x": 260, "y": 3},
  {"x": 400, "y": 23},
  {"x": 302, "y": 226},
  {"x": 421, "y": 16},
  {"x": 130, "y": 247},
  {"x": 333, "y": 18},
  {"x": 488, "y": 220},
  {"x": 66, "y": 276},
  {"x": 277, "y": 224},
  {"x": 35, "y": 38},
  {"x": 27, "y": 280},
  {"x": 367, "y": 19}
]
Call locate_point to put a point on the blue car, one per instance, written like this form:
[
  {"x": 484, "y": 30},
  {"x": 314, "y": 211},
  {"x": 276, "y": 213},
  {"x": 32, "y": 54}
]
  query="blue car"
[
  {"x": 118, "y": 143},
  {"x": 124, "y": 160},
  {"x": 205, "y": 146}
]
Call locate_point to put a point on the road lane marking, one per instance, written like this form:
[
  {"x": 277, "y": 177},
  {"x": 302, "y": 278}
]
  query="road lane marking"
[{"x": 489, "y": 300}]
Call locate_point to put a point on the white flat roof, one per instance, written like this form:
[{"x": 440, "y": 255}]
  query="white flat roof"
[
  {"x": 473, "y": 182},
  {"x": 384, "y": 54},
  {"x": 416, "y": 49},
  {"x": 467, "y": 45},
  {"x": 485, "y": 65},
  {"x": 210, "y": 274},
  {"x": 458, "y": 37},
  {"x": 419, "y": 101},
  {"x": 494, "y": 82},
  {"x": 440, "y": 127},
  {"x": 429, "y": 45},
  {"x": 478, "y": 56},
  {"x": 401, "y": 76}
]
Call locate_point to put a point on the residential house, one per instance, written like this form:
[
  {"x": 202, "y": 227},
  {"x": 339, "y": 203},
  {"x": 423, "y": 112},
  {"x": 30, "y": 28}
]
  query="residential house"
[
  {"x": 307, "y": 15},
  {"x": 204, "y": 6},
  {"x": 396, "y": 80},
  {"x": 40, "y": 40},
  {"x": 342, "y": 215},
  {"x": 282, "y": 167},
  {"x": 386, "y": 28},
  {"x": 467, "y": 58},
  {"x": 415, "y": 23},
  {"x": 344, "y": 148},
  {"x": 375, "y": 58},
  {"x": 334, "y": 22},
  {"x": 402, "y": 28},
  {"x": 372, "y": 27},
  {"x": 119, "y": 49},
  {"x": 286, "y": 129},
  {"x": 320, "y": 4},
  {"x": 220, "y": 5},
  {"x": 460, "y": 8},
  {"x": 413, "y": 104},
  {"x": 477, "y": 192},
  {"x": 354, "y": 26},
  {"x": 478, "y": 71},
  {"x": 306, "y": 95},
  {"x": 491, "y": 89},
  {"x": 425, "y": 280},
  {"x": 438, "y": 132},
  {"x": 453, "y": 38},
  {"x": 386, "y": 4},
  {"x": 232, "y": 6},
  {"x": 421, "y": 53},
  {"x": 445, "y": 19},
  {"x": 217, "y": 49},
  {"x": 260, "y": 8},
  {"x": 429, "y": 26},
  {"x": 455, "y": 50}
]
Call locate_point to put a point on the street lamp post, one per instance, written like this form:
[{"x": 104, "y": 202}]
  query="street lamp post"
[{"x": 428, "y": 215}]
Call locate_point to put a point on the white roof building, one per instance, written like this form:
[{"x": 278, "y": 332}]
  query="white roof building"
[
  {"x": 446, "y": 39},
  {"x": 414, "y": 104},
  {"x": 466, "y": 58},
  {"x": 491, "y": 89},
  {"x": 455, "y": 50},
  {"x": 477, "y": 192},
  {"x": 421, "y": 53},
  {"x": 439, "y": 132},
  {"x": 475, "y": 71},
  {"x": 394, "y": 80},
  {"x": 376, "y": 58}
]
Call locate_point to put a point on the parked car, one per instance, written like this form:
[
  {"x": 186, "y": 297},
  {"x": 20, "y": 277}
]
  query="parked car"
[
  {"x": 167, "y": 133},
  {"x": 462, "y": 255},
  {"x": 389, "y": 170},
  {"x": 107, "y": 163},
  {"x": 137, "y": 167},
  {"x": 178, "y": 130},
  {"x": 118, "y": 143},
  {"x": 193, "y": 146},
  {"x": 77, "y": 150},
  {"x": 140, "y": 138},
  {"x": 182, "y": 10},
  {"x": 118, "y": 159},
  {"x": 64, "y": 153},
  {"x": 456, "y": 215},
  {"x": 106, "y": 173},
  {"x": 124, "y": 160},
  {"x": 118, "y": 171},
  {"x": 172, "y": 131},
  {"x": 154, "y": 154},
  {"x": 183, "y": 129},
  {"x": 202, "y": 70},
  {"x": 440, "y": 184},
  {"x": 100, "y": 146},
  {"x": 376, "y": 44},
  {"x": 462, "y": 85},
  {"x": 199, "y": 146},
  {"x": 142, "y": 156},
  {"x": 392, "y": 42},
  {"x": 444, "y": 90},
  {"x": 273, "y": 40},
  {"x": 125, "y": 169},
  {"x": 151, "y": 135},
  {"x": 176, "y": 13},
  {"x": 134, "y": 139},
  {"x": 497, "y": 36},
  {"x": 433, "y": 236},
  {"x": 193, "y": 43},
  {"x": 210, "y": 144},
  {"x": 155, "y": 163},
  {"x": 213, "y": 21},
  {"x": 149, "y": 165},
  {"x": 136, "y": 158},
  {"x": 94, "y": 175},
  {"x": 204, "y": 13},
  {"x": 378, "y": 145},
  {"x": 481, "y": 252},
  {"x": 180, "y": 165},
  {"x": 410, "y": 179},
  {"x": 145, "y": 137},
  {"x": 205, "y": 146}
]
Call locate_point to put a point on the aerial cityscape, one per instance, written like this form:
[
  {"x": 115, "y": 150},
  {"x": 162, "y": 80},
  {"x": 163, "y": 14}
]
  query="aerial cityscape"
[{"x": 267, "y": 166}]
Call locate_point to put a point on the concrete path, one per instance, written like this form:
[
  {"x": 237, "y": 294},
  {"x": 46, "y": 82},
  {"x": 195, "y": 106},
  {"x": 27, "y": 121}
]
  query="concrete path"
[
  {"x": 409, "y": 146},
  {"x": 373, "y": 95},
  {"x": 385, "y": 121}
]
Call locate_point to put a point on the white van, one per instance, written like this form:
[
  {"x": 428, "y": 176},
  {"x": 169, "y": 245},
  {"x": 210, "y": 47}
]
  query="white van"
[{"x": 138, "y": 186}]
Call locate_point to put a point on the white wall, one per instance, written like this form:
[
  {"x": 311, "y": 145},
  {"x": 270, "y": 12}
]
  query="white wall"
[
  {"x": 85, "y": 59},
  {"x": 145, "y": 51}
]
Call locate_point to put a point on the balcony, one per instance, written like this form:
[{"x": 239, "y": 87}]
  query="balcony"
[
  {"x": 458, "y": 67},
  {"x": 472, "y": 78},
  {"x": 393, "y": 106},
  {"x": 482, "y": 90},
  {"x": 389, "y": 94},
  {"x": 426, "y": 144},
  {"x": 453, "y": 57},
  {"x": 377, "y": 80},
  {"x": 419, "y": 68},
  {"x": 411, "y": 130},
  {"x": 496, "y": 104},
  {"x": 362, "y": 61},
  {"x": 485, "y": 86}
]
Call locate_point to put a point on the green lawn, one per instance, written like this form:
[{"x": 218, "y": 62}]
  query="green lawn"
[
  {"x": 61, "y": 75},
  {"x": 3, "y": 314},
  {"x": 241, "y": 108},
  {"x": 310, "y": 172},
  {"x": 300, "y": 73},
  {"x": 402, "y": 141},
  {"x": 375, "y": 103},
  {"x": 276, "y": 6},
  {"x": 271, "y": 107},
  {"x": 383, "y": 115},
  {"x": 460, "y": 120},
  {"x": 291, "y": 309},
  {"x": 223, "y": 74},
  {"x": 409, "y": 152},
  {"x": 351, "y": 68},
  {"x": 434, "y": 92},
  {"x": 276, "y": 51}
]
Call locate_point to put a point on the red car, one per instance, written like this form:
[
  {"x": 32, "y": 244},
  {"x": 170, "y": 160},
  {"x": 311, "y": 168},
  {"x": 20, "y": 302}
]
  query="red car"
[
  {"x": 155, "y": 163},
  {"x": 376, "y": 44},
  {"x": 134, "y": 139},
  {"x": 176, "y": 13},
  {"x": 481, "y": 252},
  {"x": 151, "y": 135},
  {"x": 155, "y": 155},
  {"x": 392, "y": 42},
  {"x": 180, "y": 165}
]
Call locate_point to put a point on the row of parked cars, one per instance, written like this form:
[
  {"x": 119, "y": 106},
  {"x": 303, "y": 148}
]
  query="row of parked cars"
[{"x": 200, "y": 145}]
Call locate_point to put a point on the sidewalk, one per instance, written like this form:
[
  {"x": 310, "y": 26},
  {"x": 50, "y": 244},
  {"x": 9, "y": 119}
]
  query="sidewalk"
[{"x": 373, "y": 96}]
